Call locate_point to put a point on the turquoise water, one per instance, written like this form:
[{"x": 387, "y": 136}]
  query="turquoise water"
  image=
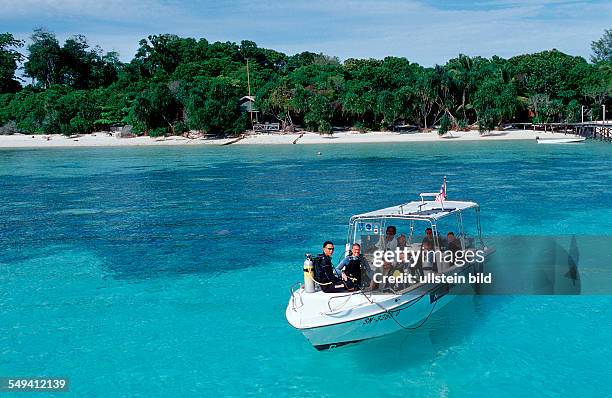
[{"x": 166, "y": 271}]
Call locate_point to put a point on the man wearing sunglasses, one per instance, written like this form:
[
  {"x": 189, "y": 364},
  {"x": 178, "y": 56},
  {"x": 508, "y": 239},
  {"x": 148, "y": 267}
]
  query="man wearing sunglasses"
[{"x": 324, "y": 271}]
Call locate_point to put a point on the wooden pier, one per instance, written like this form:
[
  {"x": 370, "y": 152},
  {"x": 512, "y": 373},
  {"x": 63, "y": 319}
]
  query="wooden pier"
[{"x": 594, "y": 130}]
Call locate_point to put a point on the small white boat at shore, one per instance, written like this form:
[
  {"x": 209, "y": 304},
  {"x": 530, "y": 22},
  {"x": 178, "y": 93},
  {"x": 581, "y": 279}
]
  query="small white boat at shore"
[
  {"x": 330, "y": 320},
  {"x": 569, "y": 140}
]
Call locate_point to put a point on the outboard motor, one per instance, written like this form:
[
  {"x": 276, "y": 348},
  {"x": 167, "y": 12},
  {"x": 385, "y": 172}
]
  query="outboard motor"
[{"x": 309, "y": 285}]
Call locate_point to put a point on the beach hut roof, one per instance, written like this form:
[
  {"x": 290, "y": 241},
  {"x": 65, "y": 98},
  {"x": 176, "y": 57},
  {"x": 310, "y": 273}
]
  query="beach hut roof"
[{"x": 247, "y": 103}]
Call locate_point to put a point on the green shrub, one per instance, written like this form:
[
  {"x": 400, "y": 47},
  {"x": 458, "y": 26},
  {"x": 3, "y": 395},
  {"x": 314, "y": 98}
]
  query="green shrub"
[
  {"x": 158, "y": 132},
  {"x": 487, "y": 120},
  {"x": 81, "y": 125},
  {"x": 361, "y": 127},
  {"x": 325, "y": 127},
  {"x": 444, "y": 125}
]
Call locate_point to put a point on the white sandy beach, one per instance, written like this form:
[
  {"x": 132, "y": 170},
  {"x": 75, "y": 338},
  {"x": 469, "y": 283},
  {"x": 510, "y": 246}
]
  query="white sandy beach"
[{"x": 347, "y": 137}]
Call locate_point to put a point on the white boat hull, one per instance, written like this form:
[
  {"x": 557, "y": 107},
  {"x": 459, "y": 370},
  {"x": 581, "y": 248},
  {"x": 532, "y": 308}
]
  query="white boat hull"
[
  {"x": 574, "y": 140},
  {"x": 354, "y": 317},
  {"x": 380, "y": 323}
]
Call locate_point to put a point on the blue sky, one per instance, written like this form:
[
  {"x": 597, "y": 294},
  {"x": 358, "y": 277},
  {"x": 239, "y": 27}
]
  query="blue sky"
[{"x": 424, "y": 31}]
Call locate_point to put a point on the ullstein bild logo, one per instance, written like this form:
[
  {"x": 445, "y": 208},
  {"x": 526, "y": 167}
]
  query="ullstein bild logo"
[{"x": 407, "y": 278}]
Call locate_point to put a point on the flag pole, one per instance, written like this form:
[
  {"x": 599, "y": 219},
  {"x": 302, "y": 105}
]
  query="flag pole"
[{"x": 444, "y": 195}]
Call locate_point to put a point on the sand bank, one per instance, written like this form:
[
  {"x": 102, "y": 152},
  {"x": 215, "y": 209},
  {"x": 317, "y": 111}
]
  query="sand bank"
[
  {"x": 385, "y": 136},
  {"x": 94, "y": 140}
]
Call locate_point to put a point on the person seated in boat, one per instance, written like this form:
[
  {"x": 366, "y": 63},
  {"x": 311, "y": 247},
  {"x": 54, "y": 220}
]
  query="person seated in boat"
[
  {"x": 401, "y": 244},
  {"x": 452, "y": 243},
  {"x": 325, "y": 275},
  {"x": 426, "y": 263},
  {"x": 406, "y": 262},
  {"x": 354, "y": 268},
  {"x": 402, "y": 241},
  {"x": 388, "y": 242},
  {"x": 386, "y": 271},
  {"x": 428, "y": 237}
]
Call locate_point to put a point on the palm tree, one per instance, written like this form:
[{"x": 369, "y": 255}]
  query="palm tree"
[
  {"x": 444, "y": 98},
  {"x": 462, "y": 76}
]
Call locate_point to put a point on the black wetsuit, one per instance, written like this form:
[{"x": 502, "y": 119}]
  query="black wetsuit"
[
  {"x": 454, "y": 246},
  {"x": 326, "y": 276},
  {"x": 354, "y": 269}
]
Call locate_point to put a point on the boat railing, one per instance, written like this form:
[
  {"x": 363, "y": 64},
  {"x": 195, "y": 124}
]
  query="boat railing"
[
  {"x": 347, "y": 296},
  {"x": 424, "y": 195},
  {"x": 295, "y": 293}
]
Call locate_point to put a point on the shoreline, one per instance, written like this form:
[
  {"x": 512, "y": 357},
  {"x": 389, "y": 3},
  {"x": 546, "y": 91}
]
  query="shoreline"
[{"x": 301, "y": 138}]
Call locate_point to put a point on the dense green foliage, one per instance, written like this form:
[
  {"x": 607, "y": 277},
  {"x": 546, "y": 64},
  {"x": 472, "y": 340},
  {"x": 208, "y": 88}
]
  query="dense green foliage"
[
  {"x": 9, "y": 60},
  {"x": 602, "y": 48},
  {"x": 176, "y": 84}
]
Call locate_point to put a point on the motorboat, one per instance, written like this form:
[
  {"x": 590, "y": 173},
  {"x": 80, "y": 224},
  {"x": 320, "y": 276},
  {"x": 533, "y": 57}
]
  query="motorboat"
[
  {"x": 569, "y": 140},
  {"x": 330, "y": 320}
]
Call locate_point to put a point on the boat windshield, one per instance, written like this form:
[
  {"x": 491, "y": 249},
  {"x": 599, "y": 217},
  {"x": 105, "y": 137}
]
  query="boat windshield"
[
  {"x": 387, "y": 233},
  {"x": 410, "y": 239},
  {"x": 374, "y": 233}
]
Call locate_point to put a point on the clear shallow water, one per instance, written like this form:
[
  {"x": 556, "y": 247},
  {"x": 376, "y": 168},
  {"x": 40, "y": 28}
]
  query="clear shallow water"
[{"x": 166, "y": 271}]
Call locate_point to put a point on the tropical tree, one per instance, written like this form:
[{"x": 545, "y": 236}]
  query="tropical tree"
[
  {"x": 495, "y": 101},
  {"x": 44, "y": 58},
  {"x": 319, "y": 113},
  {"x": 461, "y": 71},
  {"x": 602, "y": 48},
  {"x": 10, "y": 58},
  {"x": 444, "y": 95},
  {"x": 425, "y": 95},
  {"x": 212, "y": 105},
  {"x": 164, "y": 53},
  {"x": 276, "y": 99},
  {"x": 156, "y": 110}
]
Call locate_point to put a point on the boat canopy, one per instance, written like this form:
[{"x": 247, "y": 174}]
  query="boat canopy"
[{"x": 425, "y": 210}]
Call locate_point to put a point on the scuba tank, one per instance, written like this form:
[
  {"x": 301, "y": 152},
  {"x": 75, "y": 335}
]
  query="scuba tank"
[{"x": 309, "y": 285}]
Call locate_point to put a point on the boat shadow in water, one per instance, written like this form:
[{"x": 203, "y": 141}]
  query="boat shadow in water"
[{"x": 404, "y": 349}]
